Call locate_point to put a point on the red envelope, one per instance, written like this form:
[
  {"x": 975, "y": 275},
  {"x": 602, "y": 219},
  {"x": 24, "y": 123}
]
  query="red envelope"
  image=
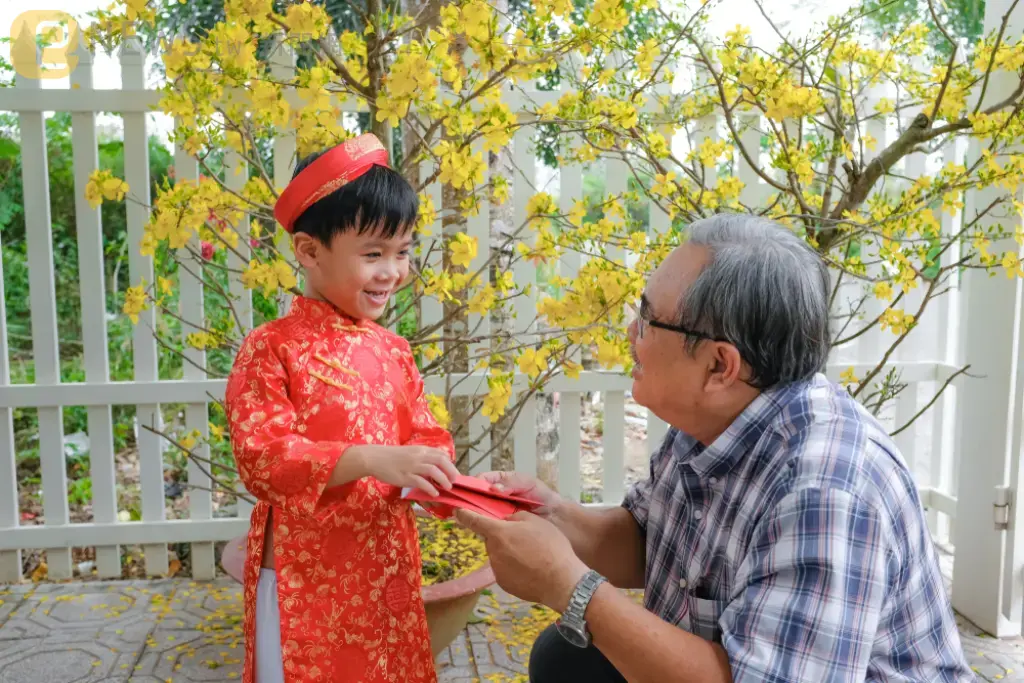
[{"x": 474, "y": 494}]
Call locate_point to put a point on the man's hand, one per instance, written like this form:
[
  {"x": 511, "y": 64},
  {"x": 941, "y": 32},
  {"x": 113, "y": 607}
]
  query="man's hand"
[
  {"x": 413, "y": 466},
  {"x": 517, "y": 484},
  {"x": 530, "y": 557}
]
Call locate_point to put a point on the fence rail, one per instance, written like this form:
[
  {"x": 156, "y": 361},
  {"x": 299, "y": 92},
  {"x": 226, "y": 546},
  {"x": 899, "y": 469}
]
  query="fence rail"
[{"x": 929, "y": 363}]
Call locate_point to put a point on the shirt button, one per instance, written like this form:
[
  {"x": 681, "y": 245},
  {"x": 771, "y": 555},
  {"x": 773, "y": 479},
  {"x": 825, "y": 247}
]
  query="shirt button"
[
  {"x": 682, "y": 583},
  {"x": 713, "y": 480},
  {"x": 698, "y": 514}
]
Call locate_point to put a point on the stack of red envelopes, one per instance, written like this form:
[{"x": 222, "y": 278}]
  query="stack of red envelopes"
[{"x": 471, "y": 493}]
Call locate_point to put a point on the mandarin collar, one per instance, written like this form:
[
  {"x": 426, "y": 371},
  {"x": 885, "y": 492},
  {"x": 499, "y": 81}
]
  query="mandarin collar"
[{"x": 317, "y": 308}]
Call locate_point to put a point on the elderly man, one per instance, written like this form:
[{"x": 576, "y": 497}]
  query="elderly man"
[{"x": 779, "y": 536}]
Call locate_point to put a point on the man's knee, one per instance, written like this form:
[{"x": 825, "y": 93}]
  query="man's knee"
[
  {"x": 548, "y": 656},
  {"x": 553, "y": 659}
]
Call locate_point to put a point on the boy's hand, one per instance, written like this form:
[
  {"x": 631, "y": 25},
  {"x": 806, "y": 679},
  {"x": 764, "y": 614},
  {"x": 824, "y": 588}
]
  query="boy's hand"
[{"x": 415, "y": 466}]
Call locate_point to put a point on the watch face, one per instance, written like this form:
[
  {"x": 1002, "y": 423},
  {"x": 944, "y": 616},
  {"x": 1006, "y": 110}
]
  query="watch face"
[{"x": 572, "y": 635}]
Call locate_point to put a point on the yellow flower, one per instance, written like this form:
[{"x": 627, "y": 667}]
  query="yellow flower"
[
  {"x": 427, "y": 215},
  {"x": 135, "y": 302},
  {"x": 883, "y": 290},
  {"x": 439, "y": 410},
  {"x": 285, "y": 275},
  {"x": 499, "y": 393},
  {"x": 505, "y": 282},
  {"x": 898, "y": 321},
  {"x": 482, "y": 301},
  {"x": 532, "y": 362},
  {"x": 1012, "y": 264},
  {"x": 202, "y": 340},
  {"x": 103, "y": 185},
  {"x": 847, "y": 377},
  {"x": 271, "y": 277},
  {"x": 431, "y": 351},
  {"x": 609, "y": 352},
  {"x": 463, "y": 249},
  {"x": 540, "y": 204},
  {"x": 189, "y": 441},
  {"x": 572, "y": 369},
  {"x": 306, "y": 21},
  {"x": 459, "y": 167}
]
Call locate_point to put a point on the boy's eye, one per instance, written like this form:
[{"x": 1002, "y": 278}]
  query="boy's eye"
[{"x": 373, "y": 254}]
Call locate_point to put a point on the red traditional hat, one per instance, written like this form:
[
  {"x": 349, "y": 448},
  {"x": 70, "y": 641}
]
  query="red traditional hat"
[{"x": 331, "y": 170}]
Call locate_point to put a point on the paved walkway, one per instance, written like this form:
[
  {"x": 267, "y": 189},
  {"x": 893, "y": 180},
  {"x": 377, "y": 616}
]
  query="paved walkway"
[{"x": 177, "y": 631}]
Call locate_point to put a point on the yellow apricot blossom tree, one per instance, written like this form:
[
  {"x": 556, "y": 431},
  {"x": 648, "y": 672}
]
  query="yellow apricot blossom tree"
[{"x": 701, "y": 125}]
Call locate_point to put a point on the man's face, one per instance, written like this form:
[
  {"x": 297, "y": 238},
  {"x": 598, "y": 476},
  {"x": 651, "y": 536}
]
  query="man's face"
[{"x": 666, "y": 378}]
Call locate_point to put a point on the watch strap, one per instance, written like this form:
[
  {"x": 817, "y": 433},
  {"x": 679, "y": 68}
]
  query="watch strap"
[{"x": 581, "y": 596}]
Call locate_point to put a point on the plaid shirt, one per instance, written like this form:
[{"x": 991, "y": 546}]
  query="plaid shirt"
[{"x": 798, "y": 542}]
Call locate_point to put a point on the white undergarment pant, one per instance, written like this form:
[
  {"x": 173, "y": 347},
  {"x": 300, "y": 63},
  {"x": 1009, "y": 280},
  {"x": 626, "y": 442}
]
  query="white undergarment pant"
[{"x": 269, "y": 664}]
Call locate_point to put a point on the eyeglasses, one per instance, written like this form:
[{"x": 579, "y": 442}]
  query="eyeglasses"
[{"x": 643, "y": 319}]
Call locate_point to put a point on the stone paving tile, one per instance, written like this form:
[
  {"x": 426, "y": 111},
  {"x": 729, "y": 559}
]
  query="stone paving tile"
[
  {"x": 9, "y": 601},
  {"x": 30, "y": 660},
  {"x": 188, "y": 657},
  {"x": 117, "y": 612},
  {"x": 212, "y": 607}
]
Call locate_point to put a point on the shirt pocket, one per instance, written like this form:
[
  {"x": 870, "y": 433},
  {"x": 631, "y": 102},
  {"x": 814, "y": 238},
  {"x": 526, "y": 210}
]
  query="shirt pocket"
[{"x": 705, "y": 614}]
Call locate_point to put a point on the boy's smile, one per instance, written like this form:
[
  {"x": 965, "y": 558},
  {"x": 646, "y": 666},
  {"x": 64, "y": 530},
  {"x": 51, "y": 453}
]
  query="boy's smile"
[{"x": 358, "y": 273}]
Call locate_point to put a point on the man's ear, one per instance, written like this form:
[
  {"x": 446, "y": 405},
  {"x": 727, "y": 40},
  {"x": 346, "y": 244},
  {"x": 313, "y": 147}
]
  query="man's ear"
[
  {"x": 726, "y": 366},
  {"x": 307, "y": 249}
]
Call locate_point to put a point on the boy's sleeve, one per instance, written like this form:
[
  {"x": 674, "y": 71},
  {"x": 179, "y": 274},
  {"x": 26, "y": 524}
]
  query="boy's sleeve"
[
  {"x": 276, "y": 464},
  {"x": 426, "y": 431}
]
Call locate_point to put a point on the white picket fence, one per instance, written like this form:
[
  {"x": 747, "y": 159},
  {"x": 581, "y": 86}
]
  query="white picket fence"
[{"x": 926, "y": 361}]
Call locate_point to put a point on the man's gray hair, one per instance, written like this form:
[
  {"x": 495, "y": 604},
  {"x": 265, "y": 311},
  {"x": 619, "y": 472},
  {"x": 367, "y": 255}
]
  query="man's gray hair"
[{"x": 766, "y": 291}]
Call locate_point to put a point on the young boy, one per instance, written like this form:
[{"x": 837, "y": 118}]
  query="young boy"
[{"x": 328, "y": 422}]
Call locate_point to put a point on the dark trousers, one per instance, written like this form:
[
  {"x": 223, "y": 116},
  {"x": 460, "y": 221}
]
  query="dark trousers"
[{"x": 554, "y": 659}]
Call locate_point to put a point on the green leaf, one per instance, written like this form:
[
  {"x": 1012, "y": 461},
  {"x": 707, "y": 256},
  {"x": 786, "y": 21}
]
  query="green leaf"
[{"x": 9, "y": 149}]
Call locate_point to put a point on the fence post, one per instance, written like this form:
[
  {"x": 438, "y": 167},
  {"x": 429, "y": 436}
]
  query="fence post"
[
  {"x": 282, "y": 70},
  {"x": 10, "y": 560},
  {"x": 140, "y": 269},
  {"x": 197, "y": 415},
  {"x": 570, "y": 404},
  {"x": 525, "y": 305},
  {"x": 45, "y": 351},
  {"x": 93, "y": 294},
  {"x": 986, "y": 412}
]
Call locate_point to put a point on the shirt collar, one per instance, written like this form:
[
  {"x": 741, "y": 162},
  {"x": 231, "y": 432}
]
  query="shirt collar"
[
  {"x": 320, "y": 309},
  {"x": 740, "y": 437}
]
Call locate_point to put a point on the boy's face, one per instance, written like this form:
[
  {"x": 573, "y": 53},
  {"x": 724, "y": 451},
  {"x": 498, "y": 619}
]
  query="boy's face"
[{"x": 358, "y": 273}]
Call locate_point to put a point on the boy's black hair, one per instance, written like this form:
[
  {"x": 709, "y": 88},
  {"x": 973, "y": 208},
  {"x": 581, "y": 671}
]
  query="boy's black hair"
[{"x": 380, "y": 200}]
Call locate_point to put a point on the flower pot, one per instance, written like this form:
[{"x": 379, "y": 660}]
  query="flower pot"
[{"x": 449, "y": 604}]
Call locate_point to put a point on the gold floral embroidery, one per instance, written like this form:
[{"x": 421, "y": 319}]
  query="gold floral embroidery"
[{"x": 328, "y": 380}]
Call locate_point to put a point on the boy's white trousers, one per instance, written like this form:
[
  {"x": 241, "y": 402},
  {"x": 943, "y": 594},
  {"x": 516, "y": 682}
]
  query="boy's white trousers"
[{"x": 269, "y": 664}]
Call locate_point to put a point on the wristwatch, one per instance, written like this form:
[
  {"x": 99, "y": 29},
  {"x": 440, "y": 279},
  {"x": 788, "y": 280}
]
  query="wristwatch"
[{"x": 571, "y": 624}]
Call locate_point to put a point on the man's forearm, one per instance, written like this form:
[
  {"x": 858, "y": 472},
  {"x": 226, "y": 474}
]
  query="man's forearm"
[
  {"x": 647, "y": 649},
  {"x": 608, "y": 541}
]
